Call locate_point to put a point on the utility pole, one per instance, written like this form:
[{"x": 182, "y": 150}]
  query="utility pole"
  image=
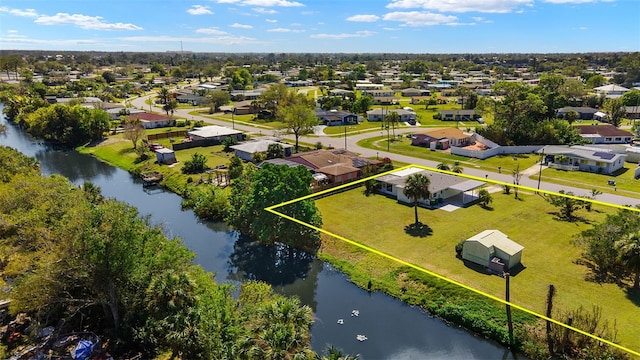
[
  {"x": 540, "y": 172},
  {"x": 345, "y": 137},
  {"x": 507, "y": 297}
]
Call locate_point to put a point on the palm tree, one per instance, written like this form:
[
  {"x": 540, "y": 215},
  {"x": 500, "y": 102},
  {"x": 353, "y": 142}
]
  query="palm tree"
[
  {"x": 283, "y": 331},
  {"x": 170, "y": 107},
  {"x": 443, "y": 166},
  {"x": 456, "y": 167},
  {"x": 164, "y": 94},
  {"x": 629, "y": 252},
  {"x": 485, "y": 198},
  {"x": 333, "y": 353},
  {"x": 417, "y": 188}
]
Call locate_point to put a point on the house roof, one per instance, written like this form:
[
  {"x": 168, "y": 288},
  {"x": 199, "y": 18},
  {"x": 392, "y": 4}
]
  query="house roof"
[
  {"x": 497, "y": 239},
  {"x": 319, "y": 159},
  {"x": 457, "y": 112},
  {"x": 380, "y": 111},
  {"x": 337, "y": 169},
  {"x": 333, "y": 114},
  {"x": 582, "y": 152},
  {"x": 445, "y": 133},
  {"x": 213, "y": 131},
  {"x": 602, "y": 130},
  {"x": 610, "y": 87},
  {"x": 280, "y": 161},
  {"x": 145, "y": 116},
  {"x": 256, "y": 146},
  {"x": 164, "y": 150},
  {"x": 438, "y": 181},
  {"x": 578, "y": 109}
]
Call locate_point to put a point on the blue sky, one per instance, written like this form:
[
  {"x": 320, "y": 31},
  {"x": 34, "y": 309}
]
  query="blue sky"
[{"x": 351, "y": 26}]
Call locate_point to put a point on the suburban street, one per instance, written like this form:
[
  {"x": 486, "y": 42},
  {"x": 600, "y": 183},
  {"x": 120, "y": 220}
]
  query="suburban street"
[{"x": 351, "y": 145}]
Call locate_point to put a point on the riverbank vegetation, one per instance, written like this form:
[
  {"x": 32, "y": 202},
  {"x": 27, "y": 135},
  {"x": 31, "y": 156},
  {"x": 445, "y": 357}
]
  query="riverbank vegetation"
[
  {"x": 76, "y": 261},
  {"x": 550, "y": 257}
]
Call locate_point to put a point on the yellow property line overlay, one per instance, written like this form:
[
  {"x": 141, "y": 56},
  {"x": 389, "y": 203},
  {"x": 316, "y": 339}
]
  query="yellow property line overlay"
[{"x": 272, "y": 210}]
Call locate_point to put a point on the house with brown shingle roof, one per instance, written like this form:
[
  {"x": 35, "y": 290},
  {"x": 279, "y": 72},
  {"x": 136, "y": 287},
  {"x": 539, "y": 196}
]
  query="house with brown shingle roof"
[
  {"x": 338, "y": 165},
  {"x": 604, "y": 134},
  {"x": 441, "y": 139}
]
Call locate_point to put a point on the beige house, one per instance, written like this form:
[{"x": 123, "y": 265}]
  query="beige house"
[
  {"x": 492, "y": 249},
  {"x": 441, "y": 139}
]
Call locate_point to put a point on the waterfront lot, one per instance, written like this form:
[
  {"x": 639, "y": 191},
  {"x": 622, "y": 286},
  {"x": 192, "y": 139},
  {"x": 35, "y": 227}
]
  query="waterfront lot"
[{"x": 549, "y": 256}]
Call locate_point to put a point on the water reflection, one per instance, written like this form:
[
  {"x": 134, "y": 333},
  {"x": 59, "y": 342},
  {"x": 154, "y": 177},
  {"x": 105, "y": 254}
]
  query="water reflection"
[{"x": 67, "y": 164}]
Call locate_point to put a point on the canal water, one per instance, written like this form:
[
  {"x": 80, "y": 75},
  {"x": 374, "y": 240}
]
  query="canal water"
[{"x": 393, "y": 329}]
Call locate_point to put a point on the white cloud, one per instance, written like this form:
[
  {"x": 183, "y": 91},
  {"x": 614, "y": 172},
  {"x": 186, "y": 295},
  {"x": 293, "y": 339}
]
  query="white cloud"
[
  {"x": 390, "y": 29},
  {"x": 211, "y": 31},
  {"x": 84, "y": 22},
  {"x": 262, "y": 3},
  {"x": 19, "y": 12},
  {"x": 285, "y": 30},
  {"x": 420, "y": 18},
  {"x": 60, "y": 43},
  {"x": 12, "y": 31},
  {"x": 357, "y": 34},
  {"x": 241, "y": 26},
  {"x": 265, "y": 11},
  {"x": 583, "y": 28},
  {"x": 296, "y": 24},
  {"x": 363, "y": 18},
  {"x": 222, "y": 40},
  {"x": 199, "y": 10},
  {"x": 273, "y": 21},
  {"x": 485, "y": 6}
]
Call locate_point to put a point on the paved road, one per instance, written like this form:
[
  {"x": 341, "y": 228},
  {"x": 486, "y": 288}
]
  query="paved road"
[{"x": 351, "y": 144}]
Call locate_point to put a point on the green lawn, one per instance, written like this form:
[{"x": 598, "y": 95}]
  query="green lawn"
[
  {"x": 240, "y": 119},
  {"x": 353, "y": 129},
  {"x": 626, "y": 185},
  {"x": 119, "y": 152},
  {"x": 549, "y": 257}
]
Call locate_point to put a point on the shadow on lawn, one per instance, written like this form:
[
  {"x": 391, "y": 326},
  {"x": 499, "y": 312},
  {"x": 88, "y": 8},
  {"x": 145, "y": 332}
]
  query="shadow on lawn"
[
  {"x": 514, "y": 271},
  {"x": 557, "y": 216},
  {"x": 418, "y": 230},
  {"x": 633, "y": 295}
]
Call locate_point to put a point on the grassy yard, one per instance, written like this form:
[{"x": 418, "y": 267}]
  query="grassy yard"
[
  {"x": 351, "y": 129},
  {"x": 119, "y": 152},
  {"x": 626, "y": 185},
  {"x": 402, "y": 145},
  {"x": 240, "y": 119},
  {"x": 549, "y": 257}
]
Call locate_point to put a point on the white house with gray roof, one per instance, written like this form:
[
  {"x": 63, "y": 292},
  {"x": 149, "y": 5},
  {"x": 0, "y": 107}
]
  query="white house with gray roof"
[
  {"x": 453, "y": 189},
  {"x": 246, "y": 150},
  {"x": 582, "y": 158},
  {"x": 379, "y": 114}
]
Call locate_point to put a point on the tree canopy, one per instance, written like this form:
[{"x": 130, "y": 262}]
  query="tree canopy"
[
  {"x": 271, "y": 185},
  {"x": 82, "y": 263}
]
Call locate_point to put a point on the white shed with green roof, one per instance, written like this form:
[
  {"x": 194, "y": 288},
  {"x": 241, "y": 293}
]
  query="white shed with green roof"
[{"x": 492, "y": 249}]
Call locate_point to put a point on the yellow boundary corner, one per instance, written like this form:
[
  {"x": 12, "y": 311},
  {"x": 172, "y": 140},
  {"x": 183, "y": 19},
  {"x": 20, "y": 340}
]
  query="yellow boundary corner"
[{"x": 272, "y": 209}]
